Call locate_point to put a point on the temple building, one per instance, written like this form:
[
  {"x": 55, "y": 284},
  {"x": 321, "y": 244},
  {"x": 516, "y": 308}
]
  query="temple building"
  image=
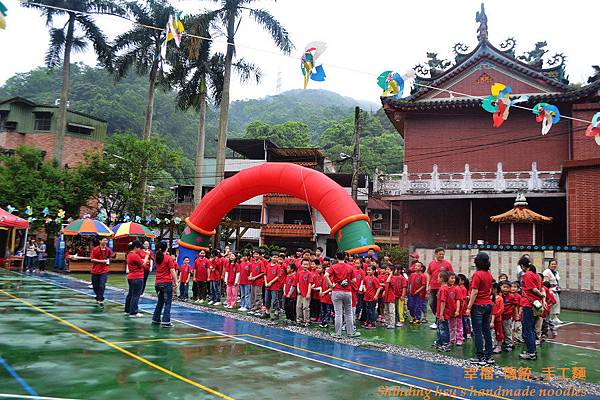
[{"x": 459, "y": 170}]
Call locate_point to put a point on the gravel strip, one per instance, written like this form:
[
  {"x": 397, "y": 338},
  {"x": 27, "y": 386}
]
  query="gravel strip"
[{"x": 439, "y": 358}]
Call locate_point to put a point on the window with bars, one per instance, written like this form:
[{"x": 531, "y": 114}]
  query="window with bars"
[{"x": 43, "y": 121}]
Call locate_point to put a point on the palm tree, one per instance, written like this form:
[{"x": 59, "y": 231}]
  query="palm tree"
[
  {"x": 139, "y": 48},
  {"x": 195, "y": 71},
  {"x": 79, "y": 29},
  {"x": 230, "y": 15}
]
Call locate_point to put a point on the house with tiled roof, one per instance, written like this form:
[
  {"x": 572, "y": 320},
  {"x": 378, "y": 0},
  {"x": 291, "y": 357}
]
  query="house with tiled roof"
[{"x": 459, "y": 170}]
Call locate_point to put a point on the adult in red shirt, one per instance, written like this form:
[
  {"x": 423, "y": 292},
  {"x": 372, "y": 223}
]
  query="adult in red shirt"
[
  {"x": 100, "y": 259},
  {"x": 340, "y": 277},
  {"x": 480, "y": 309},
  {"x": 135, "y": 278},
  {"x": 532, "y": 297},
  {"x": 433, "y": 283},
  {"x": 165, "y": 285},
  {"x": 200, "y": 278}
]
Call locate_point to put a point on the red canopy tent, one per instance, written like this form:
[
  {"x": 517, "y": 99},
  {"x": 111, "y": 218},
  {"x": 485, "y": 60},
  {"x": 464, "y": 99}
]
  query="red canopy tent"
[{"x": 11, "y": 223}]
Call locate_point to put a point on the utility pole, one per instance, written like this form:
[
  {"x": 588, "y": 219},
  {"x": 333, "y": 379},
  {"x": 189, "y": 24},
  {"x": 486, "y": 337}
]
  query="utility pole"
[{"x": 356, "y": 155}]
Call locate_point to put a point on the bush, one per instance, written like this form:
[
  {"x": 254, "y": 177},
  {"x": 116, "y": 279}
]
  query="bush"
[{"x": 399, "y": 255}]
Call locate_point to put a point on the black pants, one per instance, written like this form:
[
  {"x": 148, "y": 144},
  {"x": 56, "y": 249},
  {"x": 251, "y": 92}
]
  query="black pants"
[
  {"x": 361, "y": 312},
  {"x": 433, "y": 304},
  {"x": 315, "y": 308},
  {"x": 199, "y": 290},
  {"x": 146, "y": 273},
  {"x": 99, "y": 285},
  {"x": 290, "y": 309}
]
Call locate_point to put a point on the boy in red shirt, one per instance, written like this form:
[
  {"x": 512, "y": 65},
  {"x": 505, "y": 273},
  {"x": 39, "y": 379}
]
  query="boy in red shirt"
[
  {"x": 200, "y": 278},
  {"x": 184, "y": 277},
  {"x": 257, "y": 271},
  {"x": 289, "y": 293},
  {"x": 358, "y": 296},
  {"x": 510, "y": 309},
  {"x": 389, "y": 298},
  {"x": 496, "y": 319},
  {"x": 371, "y": 288},
  {"x": 400, "y": 290},
  {"x": 273, "y": 280},
  {"x": 417, "y": 283},
  {"x": 443, "y": 313},
  {"x": 215, "y": 266},
  {"x": 547, "y": 324},
  {"x": 244, "y": 270},
  {"x": 315, "y": 297},
  {"x": 325, "y": 297},
  {"x": 305, "y": 280}
]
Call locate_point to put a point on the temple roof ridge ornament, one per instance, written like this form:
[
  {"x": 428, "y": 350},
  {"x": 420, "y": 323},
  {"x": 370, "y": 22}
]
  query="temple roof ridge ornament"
[{"x": 482, "y": 30}]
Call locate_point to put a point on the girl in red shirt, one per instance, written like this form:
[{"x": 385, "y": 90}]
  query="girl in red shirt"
[
  {"x": 232, "y": 279},
  {"x": 244, "y": 270},
  {"x": 184, "y": 277},
  {"x": 455, "y": 303},
  {"x": 417, "y": 283},
  {"x": 290, "y": 293},
  {"x": 463, "y": 286},
  {"x": 166, "y": 286},
  {"x": 389, "y": 298},
  {"x": 326, "y": 302},
  {"x": 135, "y": 278},
  {"x": 215, "y": 267},
  {"x": 400, "y": 291},
  {"x": 496, "y": 322},
  {"x": 371, "y": 288}
]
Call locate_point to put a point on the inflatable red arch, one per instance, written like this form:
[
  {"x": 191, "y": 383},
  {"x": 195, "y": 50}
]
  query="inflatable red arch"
[{"x": 350, "y": 226}]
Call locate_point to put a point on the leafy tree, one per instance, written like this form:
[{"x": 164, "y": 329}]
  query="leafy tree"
[
  {"x": 139, "y": 48},
  {"x": 79, "y": 29},
  {"x": 230, "y": 15},
  {"x": 194, "y": 72},
  {"x": 116, "y": 174},
  {"x": 288, "y": 134}
]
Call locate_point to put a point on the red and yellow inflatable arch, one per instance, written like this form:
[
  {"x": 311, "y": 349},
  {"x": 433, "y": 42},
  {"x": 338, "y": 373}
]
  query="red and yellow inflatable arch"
[{"x": 350, "y": 226}]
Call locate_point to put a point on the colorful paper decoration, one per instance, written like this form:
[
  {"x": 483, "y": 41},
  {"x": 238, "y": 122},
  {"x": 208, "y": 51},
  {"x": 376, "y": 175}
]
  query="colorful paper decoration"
[
  {"x": 157, "y": 220},
  {"x": 28, "y": 210},
  {"x": 10, "y": 209},
  {"x": 547, "y": 114},
  {"x": 499, "y": 103},
  {"x": 392, "y": 84},
  {"x": 126, "y": 217},
  {"x": 308, "y": 62},
  {"x": 3, "y": 10},
  {"x": 45, "y": 212},
  {"x": 594, "y": 129},
  {"x": 138, "y": 219},
  {"x": 148, "y": 219},
  {"x": 167, "y": 221},
  {"x": 61, "y": 213},
  {"x": 177, "y": 220},
  {"x": 47, "y": 220},
  {"x": 175, "y": 29}
]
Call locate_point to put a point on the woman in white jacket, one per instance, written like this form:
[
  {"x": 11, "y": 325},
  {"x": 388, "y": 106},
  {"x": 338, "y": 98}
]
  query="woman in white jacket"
[{"x": 551, "y": 275}]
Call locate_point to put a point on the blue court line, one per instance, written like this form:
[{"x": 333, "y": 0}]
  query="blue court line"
[
  {"x": 14, "y": 374},
  {"x": 386, "y": 366}
]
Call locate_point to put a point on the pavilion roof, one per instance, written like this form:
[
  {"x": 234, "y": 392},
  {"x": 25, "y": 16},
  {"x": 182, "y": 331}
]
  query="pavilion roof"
[{"x": 521, "y": 214}]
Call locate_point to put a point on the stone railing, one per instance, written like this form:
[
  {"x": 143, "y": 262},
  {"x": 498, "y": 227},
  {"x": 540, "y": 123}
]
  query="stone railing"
[{"x": 468, "y": 181}]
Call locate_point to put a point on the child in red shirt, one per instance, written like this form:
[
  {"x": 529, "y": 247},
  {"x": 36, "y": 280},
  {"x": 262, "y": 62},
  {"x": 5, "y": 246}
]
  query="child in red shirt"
[
  {"x": 215, "y": 267},
  {"x": 184, "y": 277},
  {"x": 417, "y": 283},
  {"x": 371, "y": 287},
  {"x": 511, "y": 308},
  {"x": 463, "y": 287},
  {"x": 232, "y": 279},
  {"x": 443, "y": 313},
  {"x": 200, "y": 278},
  {"x": 315, "y": 296},
  {"x": 515, "y": 290},
  {"x": 289, "y": 293},
  {"x": 454, "y": 304},
  {"x": 325, "y": 297},
  {"x": 272, "y": 280},
  {"x": 305, "y": 283},
  {"x": 548, "y": 328},
  {"x": 496, "y": 321},
  {"x": 400, "y": 292},
  {"x": 389, "y": 298}
]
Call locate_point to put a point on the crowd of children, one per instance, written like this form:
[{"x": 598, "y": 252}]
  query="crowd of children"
[{"x": 300, "y": 287}]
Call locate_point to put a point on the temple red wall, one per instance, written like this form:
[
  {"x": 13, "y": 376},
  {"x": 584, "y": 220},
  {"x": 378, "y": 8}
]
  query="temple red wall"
[
  {"x": 583, "y": 192},
  {"x": 74, "y": 149},
  {"x": 478, "y": 82},
  {"x": 452, "y": 138}
]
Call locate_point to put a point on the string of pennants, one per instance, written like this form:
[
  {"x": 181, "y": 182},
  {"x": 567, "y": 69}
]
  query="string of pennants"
[{"x": 59, "y": 216}]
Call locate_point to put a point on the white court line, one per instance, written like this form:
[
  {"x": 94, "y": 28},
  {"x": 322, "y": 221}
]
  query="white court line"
[
  {"x": 262, "y": 345},
  {"x": 22, "y": 396},
  {"x": 563, "y": 325}
]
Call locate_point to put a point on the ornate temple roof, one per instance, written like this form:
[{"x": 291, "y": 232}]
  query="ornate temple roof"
[
  {"x": 520, "y": 213},
  {"x": 529, "y": 67}
]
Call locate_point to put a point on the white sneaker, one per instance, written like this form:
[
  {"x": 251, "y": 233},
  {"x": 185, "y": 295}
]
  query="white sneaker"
[
  {"x": 138, "y": 315},
  {"x": 243, "y": 309},
  {"x": 210, "y": 303},
  {"x": 433, "y": 326},
  {"x": 557, "y": 321},
  {"x": 218, "y": 303},
  {"x": 199, "y": 301}
]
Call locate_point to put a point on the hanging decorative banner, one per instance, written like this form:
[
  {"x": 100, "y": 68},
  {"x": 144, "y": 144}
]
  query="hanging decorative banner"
[
  {"x": 392, "y": 84},
  {"x": 308, "y": 62},
  {"x": 547, "y": 114},
  {"x": 28, "y": 210},
  {"x": 3, "y": 10},
  {"x": 61, "y": 213},
  {"x": 148, "y": 219},
  {"x": 163, "y": 44},
  {"x": 593, "y": 130},
  {"x": 499, "y": 103},
  {"x": 126, "y": 217},
  {"x": 175, "y": 30},
  {"x": 10, "y": 209},
  {"x": 45, "y": 212},
  {"x": 138, "y": 219}
]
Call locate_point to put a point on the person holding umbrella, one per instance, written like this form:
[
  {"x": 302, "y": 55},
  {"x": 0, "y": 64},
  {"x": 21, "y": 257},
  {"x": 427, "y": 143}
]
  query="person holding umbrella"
[
  {"x": 135, "y": 278},
  {"x": 100, "y": 258}
]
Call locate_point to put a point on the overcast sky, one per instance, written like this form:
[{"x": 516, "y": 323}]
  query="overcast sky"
[{"x": 370, "y": 36}]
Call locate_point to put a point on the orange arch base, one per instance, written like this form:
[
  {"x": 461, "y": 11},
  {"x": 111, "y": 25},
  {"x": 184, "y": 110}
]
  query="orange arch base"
[{"x": 350, "y": 226}]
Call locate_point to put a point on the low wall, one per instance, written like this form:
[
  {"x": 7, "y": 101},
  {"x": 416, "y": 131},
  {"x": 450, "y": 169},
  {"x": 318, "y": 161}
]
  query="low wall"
[{"x": 579, "y": 271}]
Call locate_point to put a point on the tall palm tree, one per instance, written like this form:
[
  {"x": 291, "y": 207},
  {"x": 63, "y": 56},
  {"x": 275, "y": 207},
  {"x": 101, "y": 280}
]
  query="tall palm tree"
[
  {"x": 194, "y": 72},
  {"x": 75, "y": 35},
  {"x": 230, "y": 15},
  {"x": 139, "y": 48}
]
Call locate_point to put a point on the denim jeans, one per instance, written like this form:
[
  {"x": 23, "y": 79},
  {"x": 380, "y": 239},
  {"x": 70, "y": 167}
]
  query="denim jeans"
[
  {"x": 245, "y": 296},
  {"x": 481, "y": 315},
  {"x": 326, "y": 310},
  {"x": 146, "y": 273},
  {"x": 466, "y": 320},
  {"x": 371, "y": 313},
  {"x": 272, "y": 301},
  {"x": 342, "y": 304},
  {"x": 30, "y": 263},
  {"x": 164, "y": 292},
  {"x": 443, "y": 333},
  {"x": 528, "y": 326},
  {"x": 99, "y": 284},
  {"x": 416, "y": 306},
  {"x": 215, "y": 291},
  {"x": 361, "y": 312},
  {"x": 133, "y": 296},
  {"x": 184, "y": 291}
]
